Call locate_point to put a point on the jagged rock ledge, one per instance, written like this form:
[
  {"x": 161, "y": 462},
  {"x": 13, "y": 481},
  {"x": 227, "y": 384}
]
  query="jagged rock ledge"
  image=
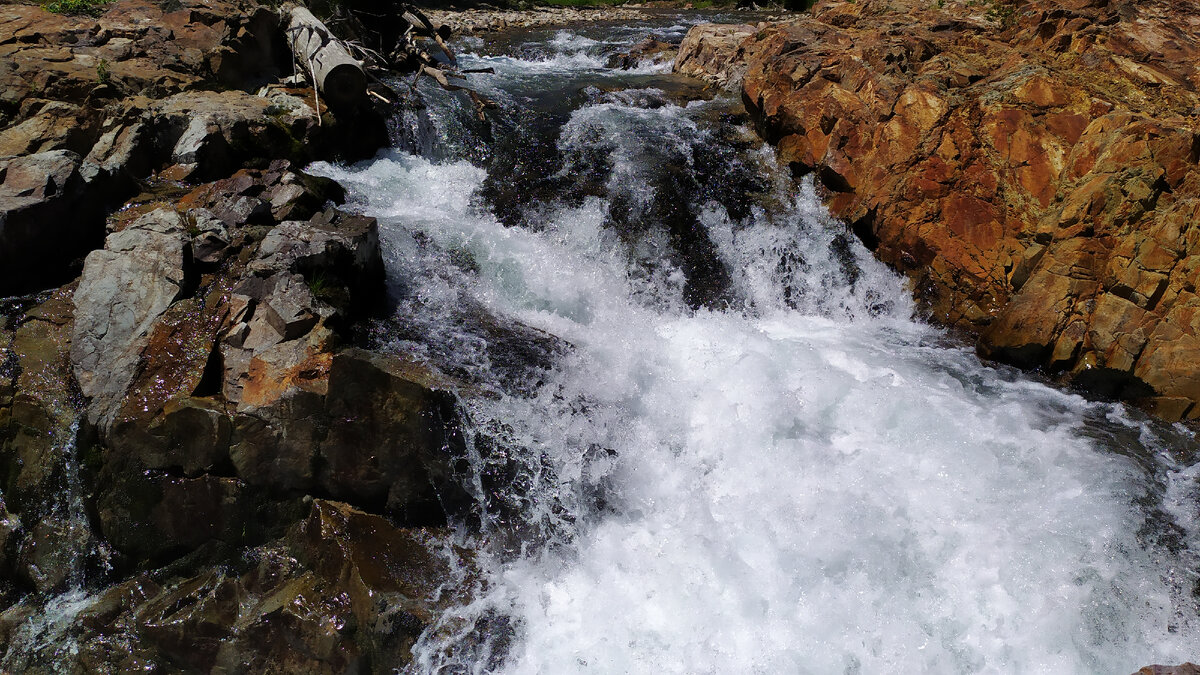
[
  {"x": 191, "y": 448},
  {"x": 1030, "y": 166}
]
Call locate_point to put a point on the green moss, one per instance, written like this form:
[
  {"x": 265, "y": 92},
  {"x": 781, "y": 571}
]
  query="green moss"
[{"x": 89, "y": 7}]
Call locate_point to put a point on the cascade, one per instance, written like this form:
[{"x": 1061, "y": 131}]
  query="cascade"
[{"x": 712, "y": 436}]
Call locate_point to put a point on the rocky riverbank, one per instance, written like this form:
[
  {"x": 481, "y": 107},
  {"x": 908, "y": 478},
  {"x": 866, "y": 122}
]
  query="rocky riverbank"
[
  {"x": 1031, "y": 167},
  {"x": 470, "y": 21},
  {"x": 199, "y": 470}
]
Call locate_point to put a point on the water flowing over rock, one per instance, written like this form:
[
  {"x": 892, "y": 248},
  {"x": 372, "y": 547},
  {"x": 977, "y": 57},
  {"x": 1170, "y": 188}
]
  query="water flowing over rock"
[
  {"x": 1032, "y": 167},
  {"x": 591, "y": 386}
]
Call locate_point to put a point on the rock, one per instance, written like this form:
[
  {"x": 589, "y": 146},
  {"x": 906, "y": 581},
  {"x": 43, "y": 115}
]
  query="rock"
[
  {"x": 152, "y": 516},
  {"x": 1183, "y": 669},
  {"x": 53, "y": 553},
  {"x": 275, "y": 446},
  {"x": 713, "y": 52},
  {"x": 56, "y": 125},
  {"x": 190, "y": 436},
  {"x": 51, "y": 212},
  {"x": 1034, "y": 174},
  {"x": 649, "y": 51},
  {"x": 341, "y": 590},
  {"x": 332, "y": 251},
  {"x": 124, "y": 289},
  {"x": 132, "y": 92},
  {"x": 211, "y": 133},
  {"x": 393, "y": 440},
  {"x": 480, "y": 20}
]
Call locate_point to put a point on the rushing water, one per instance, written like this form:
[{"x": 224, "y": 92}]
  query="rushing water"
[{"x": 716, "y": 439}]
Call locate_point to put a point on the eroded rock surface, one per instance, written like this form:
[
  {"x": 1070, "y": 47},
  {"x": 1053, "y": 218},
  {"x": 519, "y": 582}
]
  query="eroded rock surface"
[
  {"x": 1032, "y": 167},
  {"x": 91, "y": 105}
]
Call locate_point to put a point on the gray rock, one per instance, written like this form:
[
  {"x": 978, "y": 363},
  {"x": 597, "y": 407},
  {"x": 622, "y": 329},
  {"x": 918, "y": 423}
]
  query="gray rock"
[
  {"x": 125, "y": 287},
  {"x": 51, "y": 211}
]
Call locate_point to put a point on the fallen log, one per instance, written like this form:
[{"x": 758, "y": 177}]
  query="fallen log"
[{"x": 338, "y": 75}]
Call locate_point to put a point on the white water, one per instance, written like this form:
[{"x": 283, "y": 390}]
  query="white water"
[{"x": 810, "y": 483}]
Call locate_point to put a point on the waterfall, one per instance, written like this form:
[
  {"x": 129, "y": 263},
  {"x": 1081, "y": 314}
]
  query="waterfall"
[{"x": 715, "y": 439}]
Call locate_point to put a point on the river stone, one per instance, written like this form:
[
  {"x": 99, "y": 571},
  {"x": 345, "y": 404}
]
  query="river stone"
[{"x": 124, "y": 289}]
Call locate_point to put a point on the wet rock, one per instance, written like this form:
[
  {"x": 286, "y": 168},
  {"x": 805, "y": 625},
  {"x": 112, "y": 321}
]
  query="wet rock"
[
  {"x": 1183, "y": 669},
  {"x": 191, "y": 436},
  {"x": 10, "y": 536},
  {"x": 124, "y": 289},
  {"x": 647, "y": 52},
  {"x": 393, "y": 439},
  {"x": 395, "y": 578},
  {"x": 275, "y": 446},
  {"x": 343, "y": 590},
  {"x": 52, "y": 553},
  {"x": 152, "y": 516},
  {"x": 36, "y": 425},
  {"x": 1036, "y": 181}
]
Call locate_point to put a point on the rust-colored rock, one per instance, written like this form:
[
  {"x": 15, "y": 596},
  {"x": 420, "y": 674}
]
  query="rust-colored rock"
[{"x": 1031, "y": 167}]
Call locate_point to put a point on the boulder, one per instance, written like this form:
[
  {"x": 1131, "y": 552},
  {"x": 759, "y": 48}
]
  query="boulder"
[
  {"x": 125, "y": 288},
  {"x": 713, "y": 52},
  {"x": 394, "y": 439}
]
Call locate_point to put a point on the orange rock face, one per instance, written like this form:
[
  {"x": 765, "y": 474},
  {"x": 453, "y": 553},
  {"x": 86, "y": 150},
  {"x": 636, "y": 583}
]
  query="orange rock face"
[{"x": 1031, "y": 167}]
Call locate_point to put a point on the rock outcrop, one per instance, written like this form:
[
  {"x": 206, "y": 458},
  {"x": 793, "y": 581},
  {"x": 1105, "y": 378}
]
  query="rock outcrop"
[
  {"x": 1032, "y": 167},
  {"x": 193, "y": 457},
  {"x": 88, "y": 106}
]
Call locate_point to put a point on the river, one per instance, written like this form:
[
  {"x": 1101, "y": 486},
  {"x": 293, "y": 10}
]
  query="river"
[{"x": 711, "y": 433}]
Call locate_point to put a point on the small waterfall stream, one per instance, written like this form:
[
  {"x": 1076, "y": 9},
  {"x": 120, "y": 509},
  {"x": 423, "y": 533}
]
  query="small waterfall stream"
[{"x": 715, "y": 440}]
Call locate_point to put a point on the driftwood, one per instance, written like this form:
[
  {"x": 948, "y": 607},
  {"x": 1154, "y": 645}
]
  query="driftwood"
[
  {"x": 338, "y": 75},
  {"x": 392, "y": 32}
]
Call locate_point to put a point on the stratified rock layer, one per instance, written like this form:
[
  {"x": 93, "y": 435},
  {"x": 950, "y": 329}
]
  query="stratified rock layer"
[{"x": 1031, "y": 167}]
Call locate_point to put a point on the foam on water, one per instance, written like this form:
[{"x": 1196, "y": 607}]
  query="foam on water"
[{"x": 808, "y": 482}]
